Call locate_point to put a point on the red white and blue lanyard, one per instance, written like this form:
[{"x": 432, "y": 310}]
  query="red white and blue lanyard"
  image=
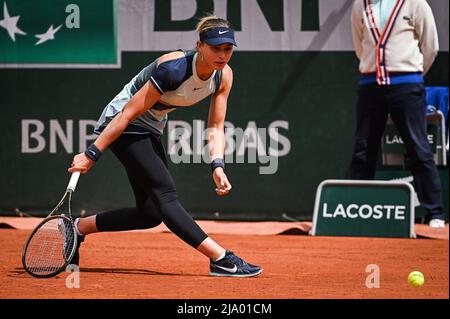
[{"x": 381, "y": 38}]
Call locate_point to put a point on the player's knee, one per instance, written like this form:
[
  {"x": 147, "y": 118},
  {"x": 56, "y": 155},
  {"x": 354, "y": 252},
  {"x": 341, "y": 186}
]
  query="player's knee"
[
  {"x": 148, "y": 218},
  {"x": 167, "y": 196},
  {"x": 151, "y": 214},
  {"x": 152, "y": 222}
]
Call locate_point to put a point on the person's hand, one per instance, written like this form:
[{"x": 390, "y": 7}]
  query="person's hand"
[
  {"x": 223, "y": 186},
  {"x": 81, "y": 163}
]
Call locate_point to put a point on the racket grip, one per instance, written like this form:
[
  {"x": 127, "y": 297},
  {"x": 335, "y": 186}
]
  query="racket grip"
[{"x": 73, "y": 181}]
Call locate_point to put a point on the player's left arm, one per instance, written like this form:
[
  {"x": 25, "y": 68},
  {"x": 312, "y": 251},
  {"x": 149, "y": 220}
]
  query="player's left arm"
[{"x": 216, "y": 134}]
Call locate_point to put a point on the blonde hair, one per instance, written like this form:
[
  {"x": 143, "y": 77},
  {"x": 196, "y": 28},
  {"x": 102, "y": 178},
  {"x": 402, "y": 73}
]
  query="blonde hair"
[{"x": 210, "y": 22}]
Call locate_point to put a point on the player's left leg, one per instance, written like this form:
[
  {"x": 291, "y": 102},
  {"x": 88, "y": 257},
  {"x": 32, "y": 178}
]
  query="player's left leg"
[{"x": 146, "y": 164}]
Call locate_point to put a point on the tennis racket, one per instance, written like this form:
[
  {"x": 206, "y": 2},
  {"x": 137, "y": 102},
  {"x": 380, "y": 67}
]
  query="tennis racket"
[{"x": 52, "y": 244}]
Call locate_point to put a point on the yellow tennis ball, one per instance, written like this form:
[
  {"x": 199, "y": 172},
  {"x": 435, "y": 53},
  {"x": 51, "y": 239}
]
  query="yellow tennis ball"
[{"x": 416, "y": 279}]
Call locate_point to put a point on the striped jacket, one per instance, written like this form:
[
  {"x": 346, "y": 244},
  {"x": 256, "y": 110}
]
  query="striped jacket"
[{"x": 400, "y": 53}]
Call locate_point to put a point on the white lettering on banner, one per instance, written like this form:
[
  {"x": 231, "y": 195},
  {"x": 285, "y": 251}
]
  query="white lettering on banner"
[
  {"x": 83, "y": 136},
  {"x": 257, "y": 23},
  {"x": 65, "y": 138},
  {"x": 282, "y": 140},
  {"x": 365, "y": 211},
  {"x": 34, "y": 135},
  {"x": 179, "y": 139},
  {"x": 394, "y": 140},
  {"x": 73, "y": 19},
  {"x": 249, "y": 145},
  {"x": 253, "y": 141},
  {"x": 398, "y": 140}
]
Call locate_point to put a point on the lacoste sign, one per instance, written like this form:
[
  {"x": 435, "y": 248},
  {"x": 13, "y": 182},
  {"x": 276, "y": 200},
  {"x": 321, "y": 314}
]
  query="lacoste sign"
[
  {"x": 364, "y": 208},
  {"x": 365, "y": 211}
]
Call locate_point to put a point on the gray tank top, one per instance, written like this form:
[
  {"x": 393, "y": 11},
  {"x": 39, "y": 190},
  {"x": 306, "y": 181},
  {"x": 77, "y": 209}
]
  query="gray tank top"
[{"x": 179, "y": 85}]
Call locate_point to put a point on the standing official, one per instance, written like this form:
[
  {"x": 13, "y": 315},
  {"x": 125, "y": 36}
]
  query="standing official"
[{"x": 396, "y": 42}]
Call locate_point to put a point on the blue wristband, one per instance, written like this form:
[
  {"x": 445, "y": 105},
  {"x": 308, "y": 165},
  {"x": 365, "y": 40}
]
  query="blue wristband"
[
  {"x": 93, "y": 152},
  {"x": 218, "y": 162}
]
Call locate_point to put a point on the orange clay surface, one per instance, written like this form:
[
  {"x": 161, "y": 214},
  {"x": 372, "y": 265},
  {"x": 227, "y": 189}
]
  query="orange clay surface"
[{"x": 159, "y": 265}]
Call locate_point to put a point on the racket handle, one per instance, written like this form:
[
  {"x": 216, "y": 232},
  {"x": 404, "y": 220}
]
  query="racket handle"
[{"x": 73, "y": 181}]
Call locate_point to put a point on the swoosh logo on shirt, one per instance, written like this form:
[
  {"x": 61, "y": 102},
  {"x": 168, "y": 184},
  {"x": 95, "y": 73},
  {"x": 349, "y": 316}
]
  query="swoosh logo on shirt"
[
  {"x": 222, "y": 32},
  {"x": 195, "y": 89},
  {"x": 230, "y": 270}
]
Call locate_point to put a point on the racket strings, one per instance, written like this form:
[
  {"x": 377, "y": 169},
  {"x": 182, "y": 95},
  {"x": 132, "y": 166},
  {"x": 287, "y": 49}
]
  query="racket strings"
[{"x": 50, "y": 247}]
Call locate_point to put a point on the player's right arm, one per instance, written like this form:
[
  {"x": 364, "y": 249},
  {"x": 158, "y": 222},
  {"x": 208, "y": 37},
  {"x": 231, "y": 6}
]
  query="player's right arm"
[{"x": 141, "y": 102}]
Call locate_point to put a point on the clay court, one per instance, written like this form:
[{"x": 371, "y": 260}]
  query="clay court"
[{"x": 157, "y": 265}]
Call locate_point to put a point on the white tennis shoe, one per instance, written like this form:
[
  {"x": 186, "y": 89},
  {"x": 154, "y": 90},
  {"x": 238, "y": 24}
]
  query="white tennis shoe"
[{"x": 437, "y": 223}]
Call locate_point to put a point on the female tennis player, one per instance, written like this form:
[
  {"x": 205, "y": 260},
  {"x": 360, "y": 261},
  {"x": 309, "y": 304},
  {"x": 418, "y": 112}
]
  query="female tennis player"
[{"x": 131, "y": 125}]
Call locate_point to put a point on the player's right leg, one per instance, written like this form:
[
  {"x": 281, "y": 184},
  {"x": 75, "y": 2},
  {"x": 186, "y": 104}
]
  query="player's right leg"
[{"x": 145, "y": 215}]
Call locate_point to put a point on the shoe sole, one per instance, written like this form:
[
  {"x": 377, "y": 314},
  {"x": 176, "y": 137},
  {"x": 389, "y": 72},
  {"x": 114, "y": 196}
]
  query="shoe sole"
[{"x": 235, "y": 275}]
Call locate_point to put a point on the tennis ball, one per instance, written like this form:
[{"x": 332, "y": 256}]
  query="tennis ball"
[{"x": 416, "y": 279}]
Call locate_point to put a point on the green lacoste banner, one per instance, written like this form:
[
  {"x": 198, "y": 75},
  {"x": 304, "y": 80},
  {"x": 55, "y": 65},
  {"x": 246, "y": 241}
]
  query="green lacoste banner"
[
  {"x": 364, "y": 208},
  {"x": 57, "y": 32}
]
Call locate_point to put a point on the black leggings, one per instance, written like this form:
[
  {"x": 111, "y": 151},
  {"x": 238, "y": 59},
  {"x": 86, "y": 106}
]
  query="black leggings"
[{"x": 154, "y": 189}]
